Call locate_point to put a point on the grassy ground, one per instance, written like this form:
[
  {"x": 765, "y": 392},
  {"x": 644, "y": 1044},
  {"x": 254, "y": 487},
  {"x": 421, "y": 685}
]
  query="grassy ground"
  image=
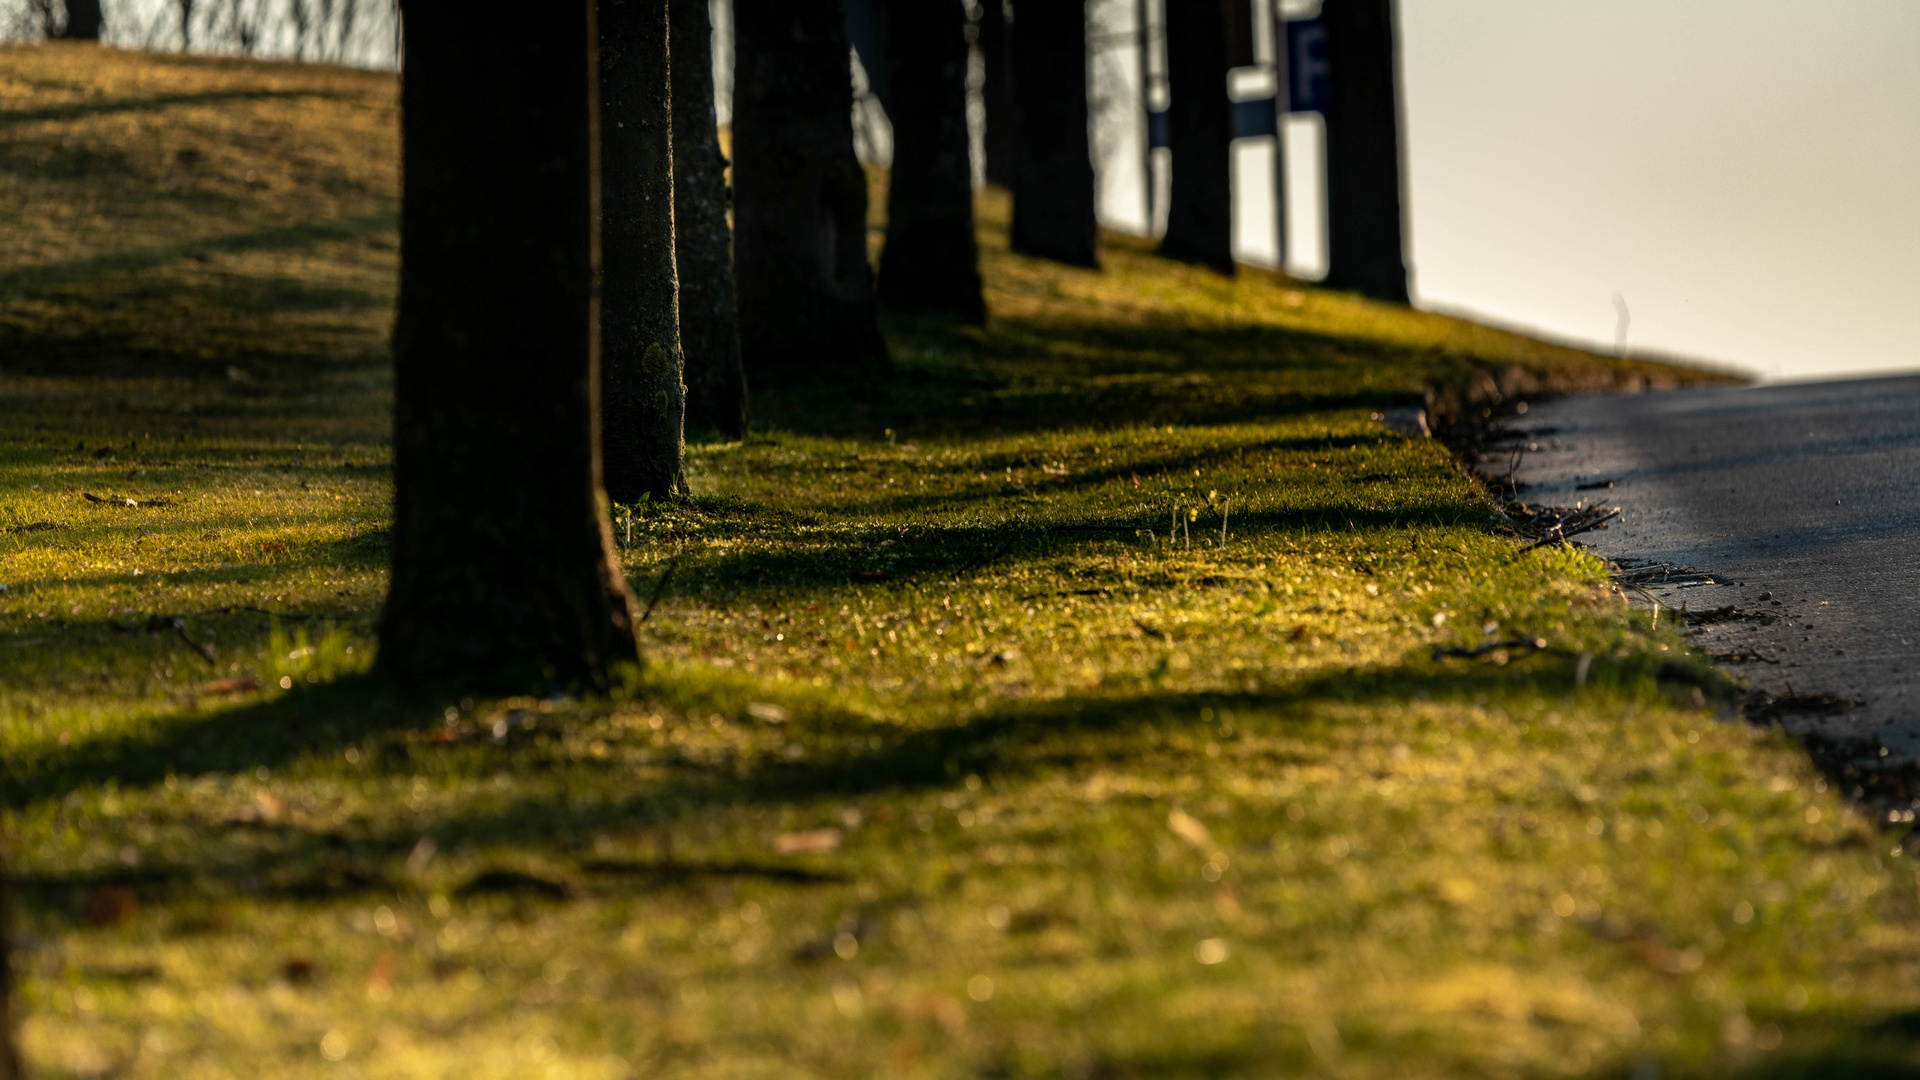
[{"x": 952, "y": 757}]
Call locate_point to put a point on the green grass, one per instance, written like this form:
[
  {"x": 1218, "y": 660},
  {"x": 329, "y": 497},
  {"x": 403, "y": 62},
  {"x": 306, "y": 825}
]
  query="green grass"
[{"x": 924, "y": 777}]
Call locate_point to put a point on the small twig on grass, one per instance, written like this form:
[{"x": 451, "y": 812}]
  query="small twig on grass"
[
  {"x": 157, "y": 623},
  {"x": 231, "y": 608},
  {"x": 1559, "y": 533},
  {"x": 660, "y": 589},
  {"x": 1538, "y": 644},
  {"x": 117, "y": 501}
]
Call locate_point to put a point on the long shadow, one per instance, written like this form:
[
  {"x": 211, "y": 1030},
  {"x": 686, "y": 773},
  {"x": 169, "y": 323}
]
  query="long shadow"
[
  {"x": 281, "y": 238},
  {"x": 350, "y": 711},
  {"x": 1222, "y": 453},
  {"x": 1818, "y": 1044},
  {"x": 1018, "y": 741},
  {"x": 271, "y": 733},
  {"x": 1029, "y": 375},
  {"x": 928, "y": 553},
  {"x": 15, "y": 117},
  {"x": 366, "y": 550}
]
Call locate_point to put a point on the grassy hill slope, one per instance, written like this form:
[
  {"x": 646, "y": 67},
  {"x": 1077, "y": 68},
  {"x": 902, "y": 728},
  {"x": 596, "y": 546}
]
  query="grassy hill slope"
[{"x": 1065, "y": 705}]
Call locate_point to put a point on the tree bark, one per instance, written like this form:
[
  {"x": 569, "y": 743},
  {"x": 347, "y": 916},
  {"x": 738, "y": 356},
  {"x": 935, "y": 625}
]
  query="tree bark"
[
  {"x": 1200, "y": 129},
  {"x": 930, "y": 262},
  {"x": 800, "y": 197},
  {"x": 503, "y": 569},
  {"x": 1366, "y": 250},
  {"x": 84, "y": 21},
  {"x": 702, "y": 242},
  {"x": 9, "y": 1056},
  {"x": 643, "y": 400},
  {"x": 1053, "y": 178},
  {"x": 996, "y": 92}
]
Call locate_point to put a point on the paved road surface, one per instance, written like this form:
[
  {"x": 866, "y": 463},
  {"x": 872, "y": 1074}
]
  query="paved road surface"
[{"x": 1807, "y": 492}]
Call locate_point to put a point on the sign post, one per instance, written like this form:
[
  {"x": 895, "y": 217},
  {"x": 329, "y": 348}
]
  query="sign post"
[
  {"x": 1146, "y": 107},
  {"x": 1282, "y": 95}
]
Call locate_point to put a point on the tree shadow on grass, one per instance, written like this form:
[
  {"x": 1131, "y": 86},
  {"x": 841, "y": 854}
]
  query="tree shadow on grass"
[
  {"x": 155, "y": 103},
  {"x": 1228, "y": 452},
  {"x": 1817, "y": 1044},
  {"x": 1033, "y": 375},
  {"x": 858, "y": 755},
  {"x": 933, "y": 554}
]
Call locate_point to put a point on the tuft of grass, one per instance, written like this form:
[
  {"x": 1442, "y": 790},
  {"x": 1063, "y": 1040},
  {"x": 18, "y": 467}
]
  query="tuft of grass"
[{"x": 952, "y": 754}]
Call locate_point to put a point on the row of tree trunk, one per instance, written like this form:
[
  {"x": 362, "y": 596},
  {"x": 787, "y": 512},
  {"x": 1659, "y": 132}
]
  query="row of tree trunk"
[
  {"x": 568, "y": 305},
  {"x": 1365, "y": 244},
  {"x": 564, "y": 267}
]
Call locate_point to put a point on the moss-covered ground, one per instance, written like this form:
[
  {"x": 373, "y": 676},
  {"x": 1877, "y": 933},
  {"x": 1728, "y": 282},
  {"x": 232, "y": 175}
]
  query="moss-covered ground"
[{"x": 1064, "y": 705}]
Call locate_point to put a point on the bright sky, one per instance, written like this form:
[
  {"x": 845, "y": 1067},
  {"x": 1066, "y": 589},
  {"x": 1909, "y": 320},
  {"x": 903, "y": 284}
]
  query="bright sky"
[{"x": 1745, "y": 174}]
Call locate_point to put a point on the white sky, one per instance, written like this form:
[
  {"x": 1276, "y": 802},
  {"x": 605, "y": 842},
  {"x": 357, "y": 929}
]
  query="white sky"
[{"x": 1744, "y": 173}]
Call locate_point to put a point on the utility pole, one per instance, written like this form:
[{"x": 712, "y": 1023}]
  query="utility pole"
[
  {"x": 1146, "y": 109},
  {"x": 1282, "y": 105}
]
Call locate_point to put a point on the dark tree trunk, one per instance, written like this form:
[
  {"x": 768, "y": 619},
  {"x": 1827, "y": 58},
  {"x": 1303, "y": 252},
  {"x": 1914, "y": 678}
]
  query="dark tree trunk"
[
  {"x": 9, "y": 1057},
  {"x": 1053, "y": 179},
  {"x": 503, "y": 570},
  {"x": 702, "y": 243},
  {"x": 186, "y": 23},
  {"x": 996, "y": 92},
  {"x": 1200, "y": 129},
  {"x": 642, "y": 399},
  {"x": 800, "y": 197},
  {"x": 930, "y": 262},
  {"x": 84, "y": 21},
  {"x": 1365, "y": 249}
]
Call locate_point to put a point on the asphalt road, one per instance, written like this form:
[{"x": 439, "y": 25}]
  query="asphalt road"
[{"x": 1802, "y": 501}]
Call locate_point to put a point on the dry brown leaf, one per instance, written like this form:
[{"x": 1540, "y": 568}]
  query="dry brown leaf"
[
  {"x": 807, "y": 842},
  {"x": 768, "y": 713},
  {"x": 1190, "y": 828}
]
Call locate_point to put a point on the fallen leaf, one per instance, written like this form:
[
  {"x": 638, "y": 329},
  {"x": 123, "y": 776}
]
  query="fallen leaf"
[
  {"x": 807, "y": 842},
  {"x": 384, "y": 967},
  {"x": 768, "y": 713},
  {"x": 230, "y": 686},
  {"x": 110, "y": 905},
  {"x": 1190, "y": 828}
]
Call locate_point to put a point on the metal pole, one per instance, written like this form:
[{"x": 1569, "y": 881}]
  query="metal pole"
[
  {"x": 1282, "y": 100},
  {"x": 1146, "y": 111}
]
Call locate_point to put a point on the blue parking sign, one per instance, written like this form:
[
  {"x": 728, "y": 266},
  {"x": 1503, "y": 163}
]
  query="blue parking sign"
[{"x": 1307, "y": 65}]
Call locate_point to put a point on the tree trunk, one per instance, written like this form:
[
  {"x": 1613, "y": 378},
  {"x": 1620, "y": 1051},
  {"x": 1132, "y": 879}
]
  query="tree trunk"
[
  {"x": 1200, "y": 129},
  {"x": 1053, "y": 178},
  {"x": 84, "y": 21},
  {"x": 930, "y": 262},
  {"x": 503, "y": 570},
  {"x": 9, "y": 1057},
  {"x": 800, "y": 197},
  {"x": 1365, "y": 249},
  {"x": 702, "y": 243},
  {"x": 996, "y": 92},
  {"x": 642, "y": 399}
]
